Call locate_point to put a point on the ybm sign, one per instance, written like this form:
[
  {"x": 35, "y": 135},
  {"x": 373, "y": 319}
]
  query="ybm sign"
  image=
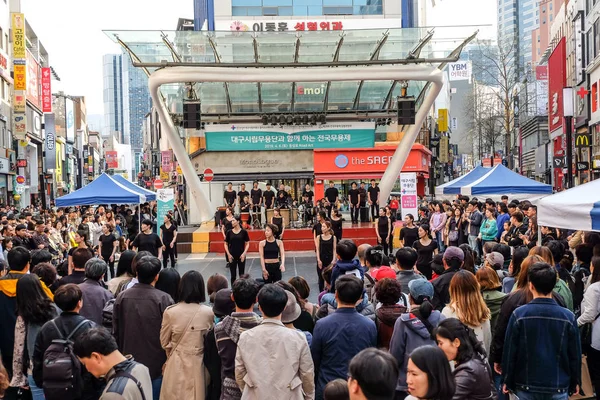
[{"x": 460, "y": 71}]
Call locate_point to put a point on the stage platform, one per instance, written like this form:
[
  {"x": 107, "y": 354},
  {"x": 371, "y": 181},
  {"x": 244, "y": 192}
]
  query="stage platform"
[{"x": 209, "y": 239}]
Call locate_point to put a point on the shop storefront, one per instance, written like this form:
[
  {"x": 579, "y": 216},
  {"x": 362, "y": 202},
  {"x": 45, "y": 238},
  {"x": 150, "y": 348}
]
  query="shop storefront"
[{"x": 361, "y": 165}]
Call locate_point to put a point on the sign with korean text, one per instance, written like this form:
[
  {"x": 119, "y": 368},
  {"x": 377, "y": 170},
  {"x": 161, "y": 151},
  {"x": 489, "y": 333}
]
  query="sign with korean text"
[
  {"x": 20, "y": 77},
  {"x": 20, "y": 102},
  {"x": 50, "y": 141},
  {"x": 58, "y": 171},
  {"x": 307, "y": 137},
  {"x": 460, "y": 71},
  {"x": 165, "y": 199},
  {"x": 164, "y": 176},
  {"x": 19, "y": 126},
  {"x": 167, "y": 160},
  {"x": 4, "y": 165},
  {"x": 444, "y": 142},
  {"x": 46, "y": 90},
  {"x": 312, "y": 24},
  {"x": 443, "y": 120},
  {"x": 18, "y": 35},
  {"x": 33, "y": 81},
  {"x": 112, "y": 159},
  {"x": 70, "y": 121},
  {"x": 408, "y": 189},
  {"x": 556, "y": 82}
]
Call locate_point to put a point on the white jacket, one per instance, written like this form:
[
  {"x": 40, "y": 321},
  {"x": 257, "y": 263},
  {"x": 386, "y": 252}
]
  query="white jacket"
[{"x": 590, "y": 308}]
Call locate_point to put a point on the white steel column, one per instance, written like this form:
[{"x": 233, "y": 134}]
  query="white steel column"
[{"x": 304, "y": 74}]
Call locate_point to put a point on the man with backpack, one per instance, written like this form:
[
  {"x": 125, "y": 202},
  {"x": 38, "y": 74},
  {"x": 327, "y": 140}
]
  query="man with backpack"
[
  {"x": 125, "y": 379},
  {"x": 55, "y": 366}
]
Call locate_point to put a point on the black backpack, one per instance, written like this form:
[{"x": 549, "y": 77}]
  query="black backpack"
[{"x": 62, "y": 369}]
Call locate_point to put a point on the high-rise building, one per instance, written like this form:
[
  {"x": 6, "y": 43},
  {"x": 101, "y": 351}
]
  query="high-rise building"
[
  {"x": 113, "y": 95},
  {"x": 204, "y": 15},
  {"x": 517, "y": 19}
]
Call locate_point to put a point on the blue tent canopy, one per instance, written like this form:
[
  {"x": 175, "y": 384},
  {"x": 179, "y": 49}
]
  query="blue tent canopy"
[
  {"x": 501, "y": 180},
  {"x": 103, "y": 190},
  {"x": 453, "y": 187},
  {"x": 150, "y": 196}
]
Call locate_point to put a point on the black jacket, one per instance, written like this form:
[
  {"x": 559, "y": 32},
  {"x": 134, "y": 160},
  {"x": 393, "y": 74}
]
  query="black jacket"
[
  {"x": 441, "y": 287},
  {"x": 66, "y": 322},
  {"x": 474, "y": 381},
  {"x": 510, "y": 304},
  {"x": 513, "y": 236}
]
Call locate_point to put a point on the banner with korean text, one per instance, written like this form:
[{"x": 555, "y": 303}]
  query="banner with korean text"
[
  {"x": 46, "y": 90},
  {"x": 408, "y": 189}
]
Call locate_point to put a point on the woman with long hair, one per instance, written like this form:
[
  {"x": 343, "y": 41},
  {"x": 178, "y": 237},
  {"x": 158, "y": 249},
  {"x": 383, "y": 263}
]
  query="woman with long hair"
[
  {"x": 303, "y": 289},
  {"x": 472, "y": 372},
  {"x": 277, "y": 220},
  {"x": 272, "y": 255},
  {"x": 373, "y": 260},
  {"x": 531, "y": 236},
  {"x": 491, "y": 291},
  {"x": 182, "y": 333},
  {"x": 124, "y": 271},
  {"x": 426, "y": 247},
  {"x": 34, "y": 309},
  {"x": 489, "y": 228},
  {"x": 383, "y": 230},
  {"x": 326, "y": 243},
  {"x": 454, "y": 225},
  {"x": 543, "y": 252},
  {"x": 429, "y": 376},
  {"x": 514, "y": 268},
  {"x": 237, "y": 243},
  {"x": 590, "y": 310},
  {"x": 469, "y": 262},
  {"x": 336, "y": 224},
  {"x": 437, "y": 222},
  {"x": 168, "y": 236},
  {"x": 467, "y": 305},
  {"x": 414, "y": 329}
]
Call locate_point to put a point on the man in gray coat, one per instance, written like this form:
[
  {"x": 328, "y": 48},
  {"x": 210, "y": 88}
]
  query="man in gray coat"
[{"x": 95, "y": 296}]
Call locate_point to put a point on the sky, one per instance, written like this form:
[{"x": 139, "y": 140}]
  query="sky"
[{"x": 75, "y": 42}]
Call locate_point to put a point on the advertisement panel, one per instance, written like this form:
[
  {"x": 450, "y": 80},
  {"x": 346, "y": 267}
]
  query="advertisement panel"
[
  {"x": 167, "y": 161},
  {"x": 460, "y": 71},
  {"x": 165, "y": 199},
  {"x": 18, "y": 35},
  {"x": 408, "y": 189},
  {"x": 443, "y": 120},
  {"x": 20, "y": 77},
  {"x": 306, "y": 24},
  {"x": 20, "y": 126},
  {"x": 20, "y": 102},
  {"x": 70, "y": 121},
  {"x": 33, "y": 81},
  {"x": 50, "y": 141},
  {"x": 305, "y": 137},
  {"x": 112, "y": 159},
  {"x": 46, "y": 90},
  {"x": 556, "y": 83}
]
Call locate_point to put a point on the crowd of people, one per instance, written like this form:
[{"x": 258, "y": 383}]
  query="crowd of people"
[{"x": 475, "y": 304}]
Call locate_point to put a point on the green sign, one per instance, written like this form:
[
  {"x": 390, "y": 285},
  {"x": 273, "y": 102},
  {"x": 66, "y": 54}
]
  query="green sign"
[
  {"x": 165, "y": 199},
  {"x": 239, "y": 139}
]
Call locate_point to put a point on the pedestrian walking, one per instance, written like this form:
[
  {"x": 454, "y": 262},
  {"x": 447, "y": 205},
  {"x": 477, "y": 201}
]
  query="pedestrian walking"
[{"x": 429, "y": 375}]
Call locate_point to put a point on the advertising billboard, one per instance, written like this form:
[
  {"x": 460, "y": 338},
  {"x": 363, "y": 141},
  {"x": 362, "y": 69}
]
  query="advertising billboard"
[
  {"x": 46, "y": 90},
  {"x": 18, "y": 35},
  {"x": 70, "y": 121},
  {"x": 112, "y": 159},
  {"x": 556, "y": 82},
  {"x": 33, "y": 81}
]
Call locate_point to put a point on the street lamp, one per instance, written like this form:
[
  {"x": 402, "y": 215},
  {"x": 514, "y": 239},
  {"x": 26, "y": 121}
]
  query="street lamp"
[{"x": 568, "y": 111}]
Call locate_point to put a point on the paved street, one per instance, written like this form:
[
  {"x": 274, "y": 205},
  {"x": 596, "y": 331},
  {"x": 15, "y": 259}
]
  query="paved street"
[{"x": 297, "y": 263}]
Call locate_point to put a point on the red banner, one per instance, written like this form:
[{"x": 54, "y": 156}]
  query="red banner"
[
  {"x": 46, "y": 90},
  {"x": 112, "y": 159},
  {"x": 557, "y": 80}
]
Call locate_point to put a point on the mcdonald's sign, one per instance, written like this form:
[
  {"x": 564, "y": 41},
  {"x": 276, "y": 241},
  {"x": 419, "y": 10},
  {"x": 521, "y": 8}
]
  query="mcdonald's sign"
[{"x": 582, "y": 140}]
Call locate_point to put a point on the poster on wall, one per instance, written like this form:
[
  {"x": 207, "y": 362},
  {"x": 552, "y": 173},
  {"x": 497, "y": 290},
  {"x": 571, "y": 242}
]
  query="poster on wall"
[
  {"x": 165, "y": 199},
  {"x": 408, "y": 189}
]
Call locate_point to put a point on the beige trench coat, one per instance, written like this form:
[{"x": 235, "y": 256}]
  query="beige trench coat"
[{"x": 184, "y": 373}]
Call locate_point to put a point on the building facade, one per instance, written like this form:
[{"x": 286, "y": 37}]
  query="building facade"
[{"x": 113, "y": 94}]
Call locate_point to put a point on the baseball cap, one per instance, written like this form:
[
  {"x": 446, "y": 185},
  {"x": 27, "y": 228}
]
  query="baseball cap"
[
  {"x": 495, "y": 259},
  {"x": 383, "y": 272},
  {"x": 292, "y": 309},
  {"x": 454, "y": 252},
  {"x": 420, "y": 289},
  {"x": 223, "y": 304}
]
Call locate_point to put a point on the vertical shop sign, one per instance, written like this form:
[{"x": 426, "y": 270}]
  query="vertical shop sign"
[
  {"x": 46, "y": 90},
  {"x": 20, "y": 77},
  {"x": 50, "y": 142},
  {"x": 408, "y": 190},
  {"x": 18, "y": 35},
  {"x": 165, "y": 200},
  {"x": 167, "y": 160}
]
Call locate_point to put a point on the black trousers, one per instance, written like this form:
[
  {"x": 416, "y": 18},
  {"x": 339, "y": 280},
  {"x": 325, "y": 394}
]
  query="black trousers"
[
  {"x": 111, "y": 267},
  {"x": 364, "y": 212},
  {"x": 237, "y": 265},
  {"x": 384, "y": 243},
  {"x": 329, "y": 211},
  {"x": 168, "y": 253},
  {"x": 354, "y": 210},
  {"x": 320, "y": 275},
  {"x": 593, "y": 359},
  {"x": 273, "y": 271},
  {"x": 374, "y": 211}
]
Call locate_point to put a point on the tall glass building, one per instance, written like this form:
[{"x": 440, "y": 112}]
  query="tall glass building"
[
  {"x": 517, "y": 19},
  {"x": 113, "y": 95}
]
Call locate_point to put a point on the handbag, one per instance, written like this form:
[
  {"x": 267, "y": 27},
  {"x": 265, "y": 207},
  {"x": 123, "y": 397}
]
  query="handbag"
[
  {"x": 17, "y": 393},
  {"x": 586, "y": 390},
  {"x": 453, "y": 236},
  {"x": 585, "y": 333}
]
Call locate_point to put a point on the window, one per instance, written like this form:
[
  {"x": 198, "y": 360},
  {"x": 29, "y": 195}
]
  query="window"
[
  {"x": 596, "y": 37},
  {"x": 270, "y": 11},
  {"x": 551, "y": 16},
  {"x": 1, "y": 40}
]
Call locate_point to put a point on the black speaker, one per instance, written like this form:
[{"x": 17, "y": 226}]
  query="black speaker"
[
  {"x": 406, "y": 111},
  {"x": 191, "y": 115}
]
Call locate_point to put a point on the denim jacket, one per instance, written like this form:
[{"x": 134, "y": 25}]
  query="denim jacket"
[{"x": 542, "y": 350}]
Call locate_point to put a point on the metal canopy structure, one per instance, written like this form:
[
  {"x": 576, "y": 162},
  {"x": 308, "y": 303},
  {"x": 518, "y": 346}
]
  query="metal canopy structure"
[
  {"x": 234, "y": 102},
  {"x": 246, "y": 75}
]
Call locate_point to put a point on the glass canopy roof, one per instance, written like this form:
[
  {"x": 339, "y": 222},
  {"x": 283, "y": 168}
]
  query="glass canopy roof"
[{"x": 152, "y": 50}]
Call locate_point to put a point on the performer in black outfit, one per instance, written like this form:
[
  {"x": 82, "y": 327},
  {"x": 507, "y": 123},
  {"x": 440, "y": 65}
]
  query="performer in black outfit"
[
  {"x": 282, "y": 197},
  {"x": 362, "y": 202},
  {"x": 353, "y": 196},
  {"x": 242, "y": 194},
  {"x": 256, "y": 199},
  {"x": 268, "y": 197},
  {"x": 331, "y": 194},
  {"x": 308, "y": 194},
  {"x": 374, "y": 199},
  {"x": 229, "y": 196},
  {"x": 237, "y": 242}
]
